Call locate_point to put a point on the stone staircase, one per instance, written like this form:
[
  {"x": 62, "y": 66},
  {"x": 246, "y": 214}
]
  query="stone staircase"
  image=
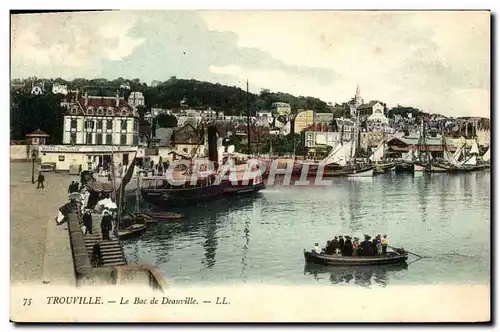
[{"x": 111, "y": 250}]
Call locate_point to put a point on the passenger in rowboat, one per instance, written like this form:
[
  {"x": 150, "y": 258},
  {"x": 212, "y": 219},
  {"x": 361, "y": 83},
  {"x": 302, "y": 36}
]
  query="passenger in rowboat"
[
  {"x": 341, "y": 244},
  {"x": 366, "y": 247},
  {"x": 327, "y": 248},
  {"x": 317, "y": 249},
  {"x": 355, "y": 246},
  {"x": 374, "y": 247},
  {"x": 379, "y": 245},
  {"x": 347, "y": 246},
  {"x": 335, "y": 244}
]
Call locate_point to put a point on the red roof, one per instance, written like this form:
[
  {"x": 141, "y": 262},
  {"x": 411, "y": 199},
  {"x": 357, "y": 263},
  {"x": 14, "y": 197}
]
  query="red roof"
[{"x": 104, "y": 102}]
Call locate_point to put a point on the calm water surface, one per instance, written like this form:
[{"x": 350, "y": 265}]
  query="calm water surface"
[{"x": 260, "y": 239}]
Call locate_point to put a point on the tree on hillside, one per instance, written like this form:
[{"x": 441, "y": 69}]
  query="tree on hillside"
[
  {"x": 31, "y": 112},
  {"x": 166, "y": 121},
  {"x": 403, "y": 111}
]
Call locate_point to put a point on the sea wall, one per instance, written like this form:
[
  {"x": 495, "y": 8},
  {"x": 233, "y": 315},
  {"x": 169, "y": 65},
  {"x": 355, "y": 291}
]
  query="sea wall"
[{"x": 81, "y": 258}]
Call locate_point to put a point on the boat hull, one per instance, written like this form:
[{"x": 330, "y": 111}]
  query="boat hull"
[
  {"x": 132, "y": 232},
  {"x": 393, "y": 258},
  {"x": 440, "y": 169},
  {"x": 383, "y": 168},
  {"x": 404, "y": 167},
  {"x": 182, "y": 197},
  {"x": 417, "y": 167},
  {"x": 361, "y": 173}
]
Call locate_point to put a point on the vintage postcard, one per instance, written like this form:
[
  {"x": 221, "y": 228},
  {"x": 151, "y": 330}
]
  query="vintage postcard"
[{"x": 250, "y": 166}]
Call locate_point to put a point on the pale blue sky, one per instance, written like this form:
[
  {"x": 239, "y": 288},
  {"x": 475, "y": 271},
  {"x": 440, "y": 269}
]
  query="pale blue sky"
[{"x": 438, "y": 61}]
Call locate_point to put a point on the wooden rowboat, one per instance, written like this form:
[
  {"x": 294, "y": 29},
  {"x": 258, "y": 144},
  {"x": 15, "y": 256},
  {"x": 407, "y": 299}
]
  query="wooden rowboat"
[
  {"x": 132, "y": 231},
  {"x": 390, "y": 258}
]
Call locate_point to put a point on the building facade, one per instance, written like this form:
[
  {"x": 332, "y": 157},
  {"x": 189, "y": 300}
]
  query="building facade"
[
  {"x": 60, "y": 89},
  {"x": 313, "y": 139},
  {"x": 483, "y": 137},
  {"x": 89, "y": 157},
  {"x": 281, "y": 109},
  {"x": 302, "y": 121},
  {"x": 96, "y": 120},
  {"x": 326, "y": 118}
]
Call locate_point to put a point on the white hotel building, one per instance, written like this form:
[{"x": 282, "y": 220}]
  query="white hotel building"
[{"x": 95, "y": 128}]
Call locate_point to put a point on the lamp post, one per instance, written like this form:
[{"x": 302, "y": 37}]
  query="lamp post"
[{"x": 33, "y": 158}]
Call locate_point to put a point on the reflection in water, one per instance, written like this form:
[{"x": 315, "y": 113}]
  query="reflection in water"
[
  {"x": 210, "y": 244},
  {"x": 217, "y": 243},
  {"x": 423, "y": 193},
  {"x": 358, "y": 275}
]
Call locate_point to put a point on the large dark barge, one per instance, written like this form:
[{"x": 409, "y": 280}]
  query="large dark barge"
[{"x": 206, "y": 187}]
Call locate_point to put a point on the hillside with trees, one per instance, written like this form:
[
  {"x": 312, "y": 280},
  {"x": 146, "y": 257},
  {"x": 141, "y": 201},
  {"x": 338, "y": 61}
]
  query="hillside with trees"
[{"x": 29, "y": 112}]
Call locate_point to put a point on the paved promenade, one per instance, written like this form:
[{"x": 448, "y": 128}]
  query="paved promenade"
[{"x": 40, "y": 251}]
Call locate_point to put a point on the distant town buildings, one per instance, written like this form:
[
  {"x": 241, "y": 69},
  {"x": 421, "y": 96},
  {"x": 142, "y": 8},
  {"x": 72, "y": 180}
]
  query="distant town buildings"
[
  {"x": 136, "y": 99},
  {"x": 59, "y": 89},
  {"x": 302, "y": 121},
  {"x": 281, "y": 109}
]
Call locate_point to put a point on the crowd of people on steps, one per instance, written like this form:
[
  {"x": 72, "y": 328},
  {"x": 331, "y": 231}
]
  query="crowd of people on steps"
[{"x": 347, "y": 246}]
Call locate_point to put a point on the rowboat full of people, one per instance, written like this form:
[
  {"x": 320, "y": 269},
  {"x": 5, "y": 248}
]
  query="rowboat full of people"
[{"x": 342, "y": 251}]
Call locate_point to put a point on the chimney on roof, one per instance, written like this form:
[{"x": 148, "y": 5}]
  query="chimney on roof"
[
  {"x": 77, "y": 91},
  {"x": 86, "y": 99},
  {"x": 117, "y": 98}
]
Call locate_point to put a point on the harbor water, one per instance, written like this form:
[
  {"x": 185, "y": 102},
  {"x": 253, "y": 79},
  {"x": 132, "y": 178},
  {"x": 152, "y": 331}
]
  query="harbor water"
[{"x": 260, "y": 239}]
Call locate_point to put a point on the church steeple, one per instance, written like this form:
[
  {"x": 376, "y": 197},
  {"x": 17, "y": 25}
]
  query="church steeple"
[{"x": 358, "y": 101}]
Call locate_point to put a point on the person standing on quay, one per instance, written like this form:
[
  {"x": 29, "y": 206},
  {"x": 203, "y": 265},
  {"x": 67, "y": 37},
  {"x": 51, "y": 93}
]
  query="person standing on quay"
[
  {"x": 106, "y": 224},
  {"x": 40, "y": 181},
  {"x": 341, "y": 244},
  {"x": 97, "y": 254}
]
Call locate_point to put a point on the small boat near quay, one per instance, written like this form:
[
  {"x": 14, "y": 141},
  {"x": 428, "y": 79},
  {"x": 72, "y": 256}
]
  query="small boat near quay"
[
  {"x": 334, "y": 260},
  {"x": 132, "y": 231},
  {"x": 361, "y": 172}
]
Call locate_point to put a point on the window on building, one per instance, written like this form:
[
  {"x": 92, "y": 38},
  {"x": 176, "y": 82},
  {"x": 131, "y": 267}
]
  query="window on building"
[
  {"x": 109, "y": 112},
  {"x": 73, "y": 138},
  {"x": 109, "y": 124},
  {"x": 61, "y": 158},
  {"x": 99, "y": 139},
  {"x": 108, "y": 139},
  {"x": 90, "y": 111},
  {"x": 136, "y": 140},
  {"x": 124, "y": 125},
  {"x": 100, "y": 111},
  {"x": 89, "y": 125},
  {"x": 123, "y": 139},
  {"x": 73, "y": 123},
  {"x": 88, "y": 138},
  {"x": 99, "y": 124}
]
